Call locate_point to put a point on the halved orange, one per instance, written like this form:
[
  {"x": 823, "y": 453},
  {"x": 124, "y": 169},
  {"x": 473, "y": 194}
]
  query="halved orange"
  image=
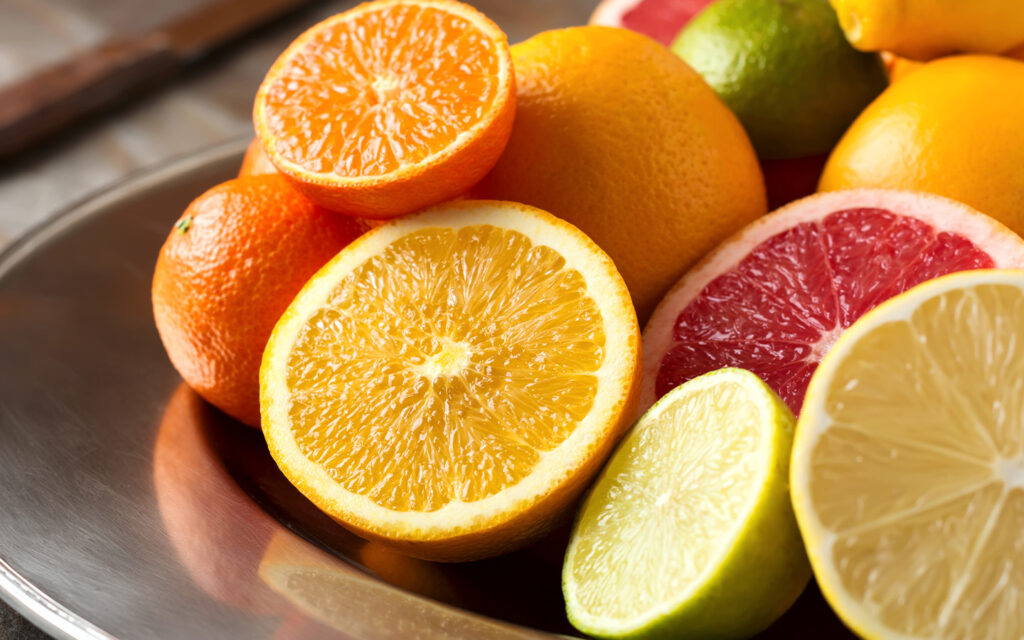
[
  {"x": 389, "y": 107},
  {"x": 451, "y": 381}
]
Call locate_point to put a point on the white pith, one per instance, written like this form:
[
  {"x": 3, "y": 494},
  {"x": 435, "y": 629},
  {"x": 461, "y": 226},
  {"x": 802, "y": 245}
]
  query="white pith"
[{"x": 609, "y": 12}]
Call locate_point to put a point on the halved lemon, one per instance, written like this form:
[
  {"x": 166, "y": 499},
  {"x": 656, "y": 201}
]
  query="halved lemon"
[
  {"x": 908, "y": 463},
  {"x": 452, "y": 380}
]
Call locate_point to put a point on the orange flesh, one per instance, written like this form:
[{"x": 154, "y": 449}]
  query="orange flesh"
[
  {"x": 388, "y": 87},
  {"x": 444, "y": 367}
]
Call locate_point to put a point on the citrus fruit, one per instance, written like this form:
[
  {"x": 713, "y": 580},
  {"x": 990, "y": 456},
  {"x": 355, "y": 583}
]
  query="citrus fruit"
[
  {"x": 203, "y": 509},
  {"x": 774, "y": 298},
  {"x": 451, "y": 381},
  {"x": 255, "y": 162},
  {"x": 390, "y": 106},
  {"x": 229, "y": 268},
  {"x": 951, "y": 128},
  {"x": 908, "y": 464},
  {"x": 688, "y": 531},
  {"x": 786, "y": 179},
  {"x": 619, "y": 137},
  {"x": 926, "y": 29},
  {"x": 660, "y": 19},
  {"x": 785, "y": 69},
  {"x": 899, "y": 67}
]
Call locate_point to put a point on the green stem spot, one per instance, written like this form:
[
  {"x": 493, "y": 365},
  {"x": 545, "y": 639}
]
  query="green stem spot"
[{"x": 184, "y": 224}]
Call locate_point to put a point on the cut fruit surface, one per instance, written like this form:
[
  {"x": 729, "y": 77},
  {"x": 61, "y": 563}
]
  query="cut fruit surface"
[
  {"x": 908, "y": 464},
  {"x": 775, "y": 297},
  {"x": 689, "y": 532},
  {"x": 659, "y": 19},
  {"x": 390, "y": 106},
  {"x": 454, "y": 378}
]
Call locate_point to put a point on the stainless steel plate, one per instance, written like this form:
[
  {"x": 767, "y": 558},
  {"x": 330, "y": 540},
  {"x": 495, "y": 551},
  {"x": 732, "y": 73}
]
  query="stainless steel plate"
[{"x": 131, "y": 509}]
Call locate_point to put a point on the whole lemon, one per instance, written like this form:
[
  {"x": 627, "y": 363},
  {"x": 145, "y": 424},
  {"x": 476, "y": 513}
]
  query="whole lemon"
[
  {"x": 952, "y": 127},
  {"x": 926, "y": 29},
  {"x": 621, "y": 138}
]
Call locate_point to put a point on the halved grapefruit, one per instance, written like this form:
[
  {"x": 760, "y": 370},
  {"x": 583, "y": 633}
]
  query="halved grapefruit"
[
  {"x": 775, "y": 297},
  {"x": 660, "y": 19}
]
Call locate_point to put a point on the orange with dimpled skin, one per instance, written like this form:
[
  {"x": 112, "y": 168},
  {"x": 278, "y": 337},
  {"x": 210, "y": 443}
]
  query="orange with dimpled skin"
[
  {"x": 229, "y": 268},
  {"x": 617, "y": 135}
]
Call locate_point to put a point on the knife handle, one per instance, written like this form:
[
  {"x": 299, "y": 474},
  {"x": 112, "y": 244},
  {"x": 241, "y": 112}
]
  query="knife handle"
[{"x": 39, "y": 106}]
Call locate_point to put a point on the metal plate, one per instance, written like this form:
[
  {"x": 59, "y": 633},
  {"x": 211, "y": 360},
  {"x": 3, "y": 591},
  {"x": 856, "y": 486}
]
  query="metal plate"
[{"x": 131, "y": 509}]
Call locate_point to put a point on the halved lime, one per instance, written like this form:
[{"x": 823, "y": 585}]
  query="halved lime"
[{"x": 689, "y": 532}]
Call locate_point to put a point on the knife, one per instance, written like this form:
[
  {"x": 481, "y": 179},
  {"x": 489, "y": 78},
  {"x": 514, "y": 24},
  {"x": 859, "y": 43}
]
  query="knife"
[{"x": 44, "y": 103}]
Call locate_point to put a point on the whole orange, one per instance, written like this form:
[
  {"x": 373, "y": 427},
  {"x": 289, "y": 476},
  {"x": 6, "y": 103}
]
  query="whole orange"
[
  {"x": 899, "y": 66},
  {"x": 952, "y": 127},
  {"x": 255, "y": 162},
  {"x": 227, "y": 271},
  {"x": 617, "y": 135}
]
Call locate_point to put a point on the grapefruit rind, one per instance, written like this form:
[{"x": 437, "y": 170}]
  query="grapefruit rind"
[
  {"x": 1002, "y": 244},
  {"x": 466, "y": 530},
  {"x": 814, "y": 421}
]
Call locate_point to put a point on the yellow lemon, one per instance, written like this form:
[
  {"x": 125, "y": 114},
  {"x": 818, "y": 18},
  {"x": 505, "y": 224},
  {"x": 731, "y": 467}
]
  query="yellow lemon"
[
  {"x": 926, "y": 29},
  {"x": 908, "y": 464}
]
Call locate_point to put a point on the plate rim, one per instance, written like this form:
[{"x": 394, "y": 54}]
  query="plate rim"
[{"x": 15, "y": 589}]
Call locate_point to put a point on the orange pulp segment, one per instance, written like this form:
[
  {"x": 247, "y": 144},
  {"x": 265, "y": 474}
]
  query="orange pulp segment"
[
  {"x": 390, "y": 106},
  {"x": 452, "y": 373}
]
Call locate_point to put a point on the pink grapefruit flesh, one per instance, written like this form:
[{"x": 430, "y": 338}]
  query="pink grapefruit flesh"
[
  {"x": 659, "y": 19},
  {"x": 775, "y": 297}
]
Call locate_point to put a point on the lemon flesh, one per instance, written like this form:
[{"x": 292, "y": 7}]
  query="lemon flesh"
[
  {"x": 908, "y": 467},
  {"x": 688, "y": 531}
]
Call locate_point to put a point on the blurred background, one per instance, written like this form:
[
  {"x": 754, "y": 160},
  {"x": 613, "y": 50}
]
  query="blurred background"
[{"x": 208, "y": 103}]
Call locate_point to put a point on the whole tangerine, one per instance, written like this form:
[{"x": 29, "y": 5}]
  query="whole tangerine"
[{"x": 227, "y": 271}]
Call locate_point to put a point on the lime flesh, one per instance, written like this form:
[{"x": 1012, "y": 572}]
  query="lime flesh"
[{"x": 689, "y": 532}]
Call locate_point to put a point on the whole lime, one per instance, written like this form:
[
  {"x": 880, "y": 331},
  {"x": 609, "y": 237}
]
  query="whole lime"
[{"x": 785, "y": 69}]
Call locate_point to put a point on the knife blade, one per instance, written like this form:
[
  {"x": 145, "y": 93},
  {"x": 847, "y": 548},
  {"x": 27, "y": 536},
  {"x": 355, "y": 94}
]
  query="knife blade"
[{"x": 48, "y": 101}]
